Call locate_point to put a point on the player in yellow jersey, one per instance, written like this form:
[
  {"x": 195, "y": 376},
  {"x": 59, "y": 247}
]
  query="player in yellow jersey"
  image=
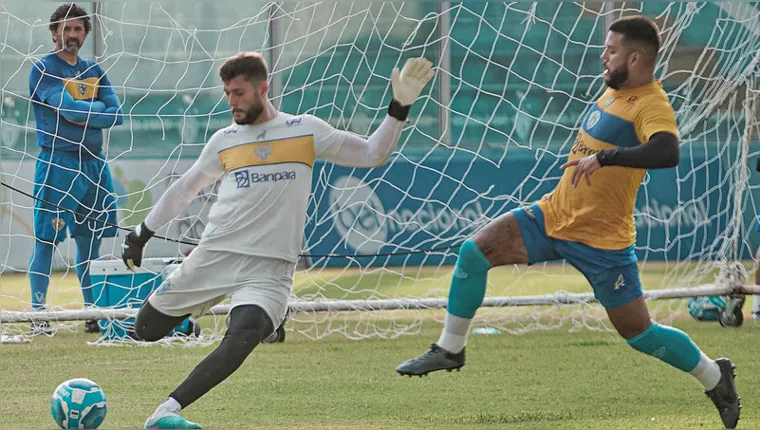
[{"x": 588, "y": 221}]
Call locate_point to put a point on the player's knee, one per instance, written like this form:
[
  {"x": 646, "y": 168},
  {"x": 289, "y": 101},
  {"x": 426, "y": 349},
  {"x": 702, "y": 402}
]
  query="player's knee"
[
  {"x": 152, "y": 325},
  {"x": 249, "y": 325},
  {"x": 472, "y": 259},
  {"x": 645, "y": 341},
  {"x": 145, "y": 331}
]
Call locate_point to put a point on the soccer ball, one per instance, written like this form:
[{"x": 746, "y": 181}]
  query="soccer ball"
[
  {"x": 707, "y": 308},
  {"x": 78, "y": 404},
  {"x": 726, "y": 310}
]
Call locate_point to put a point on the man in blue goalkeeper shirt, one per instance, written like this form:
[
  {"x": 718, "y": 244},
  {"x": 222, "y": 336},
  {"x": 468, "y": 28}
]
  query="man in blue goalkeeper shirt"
[
  {"x": 588, "y": 220},
  {"x": 73, "y": 102}
]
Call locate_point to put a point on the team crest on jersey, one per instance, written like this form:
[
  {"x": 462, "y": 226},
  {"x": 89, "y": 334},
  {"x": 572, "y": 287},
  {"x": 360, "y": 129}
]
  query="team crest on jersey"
[
  {"x": 263, "y": 152},
  {"x": 593, "y": 119},
  {"x": 82, "y": 88},
  {"x": 58, "y": 224}
]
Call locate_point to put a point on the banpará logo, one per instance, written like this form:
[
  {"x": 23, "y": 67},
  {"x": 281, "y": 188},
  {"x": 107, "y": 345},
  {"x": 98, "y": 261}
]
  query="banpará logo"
[
  {"x": 244, "y": 178},
  {"x": 273, "y": 177},
  {"x": 579, "y": 146}
]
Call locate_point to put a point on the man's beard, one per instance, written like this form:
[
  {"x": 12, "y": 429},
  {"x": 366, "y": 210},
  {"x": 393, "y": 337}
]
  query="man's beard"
[
  {"x": 250, "y": 116},
  {"x": 616, "y": 78},
  {"x": 72, "y": 46}
]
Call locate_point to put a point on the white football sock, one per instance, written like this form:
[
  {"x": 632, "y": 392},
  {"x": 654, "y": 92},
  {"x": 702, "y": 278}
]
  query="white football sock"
[
  {"x": 168, "y": 407},
  {"x": 455, "y": 332},
  {"x": 707, "y": 372}
]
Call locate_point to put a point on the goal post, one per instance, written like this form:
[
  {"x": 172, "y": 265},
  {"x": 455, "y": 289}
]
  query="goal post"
[{"x": 488, "y": 135}]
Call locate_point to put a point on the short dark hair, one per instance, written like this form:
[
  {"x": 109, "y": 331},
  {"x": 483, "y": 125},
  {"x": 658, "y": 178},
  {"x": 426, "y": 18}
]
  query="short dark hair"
[
  {"x": 640, "y": 30},
  {"x": 250, "y": 65},
  {"x": 69, "y": 11}
]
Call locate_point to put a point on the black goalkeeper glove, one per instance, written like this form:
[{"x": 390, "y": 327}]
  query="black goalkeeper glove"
[{"x": 132, "y": 248}]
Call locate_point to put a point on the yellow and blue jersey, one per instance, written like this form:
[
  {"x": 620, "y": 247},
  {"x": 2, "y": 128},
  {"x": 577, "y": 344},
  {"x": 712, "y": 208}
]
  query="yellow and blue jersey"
[
  {"x": 600, "y": 215},
  {"x": 51, "y": 76}
]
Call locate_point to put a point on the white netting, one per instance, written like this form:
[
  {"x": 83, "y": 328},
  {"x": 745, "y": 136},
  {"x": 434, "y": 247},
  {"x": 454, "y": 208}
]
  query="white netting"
[{"x": 513, "y": 81}]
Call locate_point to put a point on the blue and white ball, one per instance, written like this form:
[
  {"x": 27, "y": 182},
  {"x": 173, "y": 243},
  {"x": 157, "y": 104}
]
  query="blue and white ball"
[
  {"x": 79, "y": 404},
  {"x": 706, "y": 308}
]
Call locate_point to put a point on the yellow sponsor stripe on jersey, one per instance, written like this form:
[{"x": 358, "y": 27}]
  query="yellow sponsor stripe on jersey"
[
  {"x": 84, "y": 89},
  {"x": 290, "y": 150}
]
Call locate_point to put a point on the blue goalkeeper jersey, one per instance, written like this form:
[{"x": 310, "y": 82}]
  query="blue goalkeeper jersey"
[{"x": 49, "y": 78}]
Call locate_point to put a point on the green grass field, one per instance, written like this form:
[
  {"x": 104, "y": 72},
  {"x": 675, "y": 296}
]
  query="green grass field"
[{"x": 553, "y": 379}]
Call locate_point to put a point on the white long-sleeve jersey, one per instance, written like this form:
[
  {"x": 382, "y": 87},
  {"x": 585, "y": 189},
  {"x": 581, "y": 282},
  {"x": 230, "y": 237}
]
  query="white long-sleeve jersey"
[{"x": 266, "y": 170}]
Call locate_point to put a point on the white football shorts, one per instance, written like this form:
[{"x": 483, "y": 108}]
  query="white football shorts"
[{"x": 206, "y": 278}]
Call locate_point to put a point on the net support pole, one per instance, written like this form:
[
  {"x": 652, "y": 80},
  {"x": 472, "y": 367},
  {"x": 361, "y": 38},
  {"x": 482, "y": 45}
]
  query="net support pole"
[
  {"x": 609, "y": 16},
  {"x": 275, "y": 55},
  {"x": 97, "y": 30},
  {"x": 444, "y": 78}
]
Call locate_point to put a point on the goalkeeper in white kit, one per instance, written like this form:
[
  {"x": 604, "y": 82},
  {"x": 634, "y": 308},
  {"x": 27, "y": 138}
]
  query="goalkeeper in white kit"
[{"x": 250, "y": 246}]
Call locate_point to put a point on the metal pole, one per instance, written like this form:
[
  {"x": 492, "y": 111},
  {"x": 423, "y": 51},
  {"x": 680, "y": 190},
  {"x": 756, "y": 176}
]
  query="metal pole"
[
  {"x": 275, "y": 55},
  {"x": 609, "y": 17},
  {"x": 444, "y": 78},
  {"x": 294, "y": 306},
  {"x": 97, "y": 30}
]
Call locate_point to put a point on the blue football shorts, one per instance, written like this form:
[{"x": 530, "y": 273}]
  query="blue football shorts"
[
  {"x": 84, "y": 187},
  {"x": 613, "y": 275}
]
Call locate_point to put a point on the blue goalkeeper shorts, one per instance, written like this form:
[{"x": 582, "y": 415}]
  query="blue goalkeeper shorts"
[
  {"x": 84, "y": 187},
  {"x": 613, "y": 275}
]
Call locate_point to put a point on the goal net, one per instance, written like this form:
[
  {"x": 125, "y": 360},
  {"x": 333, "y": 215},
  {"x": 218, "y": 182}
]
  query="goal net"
[{"x": 488, "y": 135}]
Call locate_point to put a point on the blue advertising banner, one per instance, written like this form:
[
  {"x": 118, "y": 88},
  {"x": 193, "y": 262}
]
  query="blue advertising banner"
[{"x": 681, "y": 213}]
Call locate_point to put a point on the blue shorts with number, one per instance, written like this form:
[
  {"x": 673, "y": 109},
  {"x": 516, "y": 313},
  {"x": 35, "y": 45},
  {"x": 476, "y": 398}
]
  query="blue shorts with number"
[
  {"x": 84, "y": 187},
  {"x": 613, "y": 275}
]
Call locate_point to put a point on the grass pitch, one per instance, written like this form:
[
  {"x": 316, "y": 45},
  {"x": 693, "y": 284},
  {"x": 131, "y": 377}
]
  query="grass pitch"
[{"x": 541, "y": 380}]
